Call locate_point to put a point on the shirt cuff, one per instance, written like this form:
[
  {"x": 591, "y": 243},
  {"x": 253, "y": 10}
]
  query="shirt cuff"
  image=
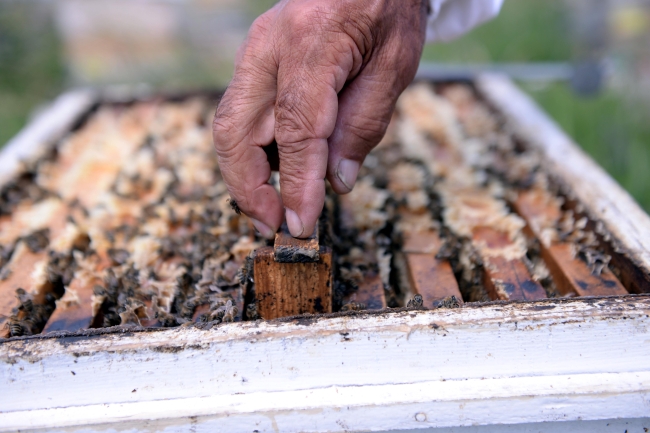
[{"x": 452, "y": 18}]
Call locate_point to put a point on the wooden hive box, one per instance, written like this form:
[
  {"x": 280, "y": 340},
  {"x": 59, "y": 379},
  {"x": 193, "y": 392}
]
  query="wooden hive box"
[{"x": 486, "y": 272}]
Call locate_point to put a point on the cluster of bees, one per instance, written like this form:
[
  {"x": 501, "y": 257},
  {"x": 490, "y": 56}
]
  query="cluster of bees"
[{"x": 139, "y": 228}]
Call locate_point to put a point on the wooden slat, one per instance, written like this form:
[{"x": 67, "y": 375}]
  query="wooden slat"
[
  {"x": 75, "y": 316},
  {"x": 602, "y": 198},
  {"x": 288, "y": 249},
  {"x": 370, "y": 293},
  {"x": 431, "y": 278},
  {"x": 79, "y": 315},
  {"x": 571, "y": 275},
  {"x": 286, "y": 289},
  {"x": 505, "y": 278},
  {"x": 21, "y": 267}
]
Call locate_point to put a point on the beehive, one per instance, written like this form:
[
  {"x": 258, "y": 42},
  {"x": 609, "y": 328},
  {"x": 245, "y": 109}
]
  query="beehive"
[{"x": 124, "y": 225}]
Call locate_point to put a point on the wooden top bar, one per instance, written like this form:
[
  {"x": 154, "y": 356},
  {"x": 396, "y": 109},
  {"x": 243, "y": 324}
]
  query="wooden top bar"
[
  {"x": 288, "y": 249},
  {"x": 506, "y": 278},
  {"x": 570, "y": 273},
  {"x": 431, "y": 278}
]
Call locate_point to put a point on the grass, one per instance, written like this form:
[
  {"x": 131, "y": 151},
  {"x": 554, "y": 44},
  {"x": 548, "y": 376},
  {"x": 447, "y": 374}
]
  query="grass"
[
  {"x": 31, "y": 67},
  {"x": 612, "y": 127}
]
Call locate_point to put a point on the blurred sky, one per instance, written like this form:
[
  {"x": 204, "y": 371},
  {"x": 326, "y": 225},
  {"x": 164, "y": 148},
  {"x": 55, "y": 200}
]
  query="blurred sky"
[{"x": 47, "y": 46}]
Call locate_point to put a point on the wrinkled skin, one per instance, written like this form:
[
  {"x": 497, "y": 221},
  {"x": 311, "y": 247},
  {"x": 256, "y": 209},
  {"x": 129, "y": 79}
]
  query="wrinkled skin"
[{"x": 321, "y": 78}]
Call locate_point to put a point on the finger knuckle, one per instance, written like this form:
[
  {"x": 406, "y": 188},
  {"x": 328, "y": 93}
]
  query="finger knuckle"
[
  {"x": 261, "y": 25},
  {"x": 292, "y": 117},
  {"x": 368, "y": 130}
]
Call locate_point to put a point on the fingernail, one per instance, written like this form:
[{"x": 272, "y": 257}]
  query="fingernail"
[
  {"x": 294, "y": 223},
  {"x": 347, "y": 172},
  {"x": 264, "y": 230}
]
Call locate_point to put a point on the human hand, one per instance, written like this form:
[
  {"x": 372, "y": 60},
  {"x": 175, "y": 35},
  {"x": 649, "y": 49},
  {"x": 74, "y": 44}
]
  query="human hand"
[{"x": 321, "y": 78}]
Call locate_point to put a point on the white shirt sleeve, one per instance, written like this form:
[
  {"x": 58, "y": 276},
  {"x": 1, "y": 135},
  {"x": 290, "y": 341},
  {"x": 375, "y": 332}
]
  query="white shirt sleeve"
[{"x": 451, "y": 18}]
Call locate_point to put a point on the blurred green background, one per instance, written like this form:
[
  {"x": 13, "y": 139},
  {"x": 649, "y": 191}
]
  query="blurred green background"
[{"x": 49, "y": 46}]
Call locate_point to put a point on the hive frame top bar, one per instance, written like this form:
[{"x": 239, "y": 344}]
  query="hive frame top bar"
[{"x": 579, "y": 176}]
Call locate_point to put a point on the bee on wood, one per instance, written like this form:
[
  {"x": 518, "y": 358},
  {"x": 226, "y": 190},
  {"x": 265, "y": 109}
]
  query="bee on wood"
[
  {"x": 233, "y": 204},
  {"x": 596, "y": 261},
  {"x": 251, "y": 312},
  {"x": 416, "y": 302},
  {"x": 167, "y": 320},
  {"x": 5, "y": 255},
  {"x": 26, "y": 300},
  {"x": 245, "y": 274},
  {"x": 38, "y": 240},
  {"x": 5, "y": 273},
  {"x": 353, "y": 306},
  {"x": 230, "y": 313},
  {"x": 225, "y": 313},
  {"x": 18, "y": 327},
  {"x": 448, "y": 302},
  {"x": 118, "y": 256}
]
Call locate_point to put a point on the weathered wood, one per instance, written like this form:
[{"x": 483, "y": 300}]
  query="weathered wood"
[
  {"x": 286, "y": 289},
  {"x": 431, "y": 278},
  {"x": 74, "y": 316},
  {"x": 602, "y": 198},
  {"x": 288, "y": 249},
  {"x": 570, "y": 274},
  {"x": 565, "y": 359},
  {"x": 505, "y": 278},
  {"x": 44, "y": 130},
  {"x": 20, "y": 270},
  {"x": 370, "y": 293},
  {"x": 78, "y": 315}
]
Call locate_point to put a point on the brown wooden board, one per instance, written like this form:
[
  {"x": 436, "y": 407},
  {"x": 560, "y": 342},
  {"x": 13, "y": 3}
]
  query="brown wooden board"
[
  {"x": 286, "y": 289},
  {"x": 75, "y": 316},
  {"x": 79, "y": 315},
  {"x": 370, "y": 293},
  {"x": 20, "y": 270},
  {"x": 625, "y": 224},
  {"x": 571, "y": 275},
  {"x": 288, "y": 249},
  {"x": 505, "y": 278},
  {"x": 431, "y": 278}
]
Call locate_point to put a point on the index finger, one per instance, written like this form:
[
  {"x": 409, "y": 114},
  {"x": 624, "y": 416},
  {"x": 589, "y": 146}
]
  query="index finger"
[{"x": 243, "y": 124}]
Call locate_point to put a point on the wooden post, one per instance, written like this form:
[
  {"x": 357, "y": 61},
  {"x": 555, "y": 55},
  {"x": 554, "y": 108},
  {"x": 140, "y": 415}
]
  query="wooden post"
[{"x": 293, "y": 277}]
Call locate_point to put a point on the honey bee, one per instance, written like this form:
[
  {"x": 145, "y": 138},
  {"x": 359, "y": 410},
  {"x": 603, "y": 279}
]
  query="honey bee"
[
  {"x": 26, "y": 300},
  {"x": 225, "y": 313},
  {"x": 353, "y": 306},
  {"x": 167, "y": 320},
  {"x": 38, "y": 240},
  {"x": 251, "y": 312},
  {"x": 118, "y": 256},
  {"x": 18, "y": 327},
  {"x": 448, "y": 302},
  {"x": 416, "y": 302},
  {"x": 233, "y": 204}
]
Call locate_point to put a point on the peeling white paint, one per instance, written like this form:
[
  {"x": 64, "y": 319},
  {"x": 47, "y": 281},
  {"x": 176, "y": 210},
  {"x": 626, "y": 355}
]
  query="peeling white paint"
[{"x": 500, "y": 363}]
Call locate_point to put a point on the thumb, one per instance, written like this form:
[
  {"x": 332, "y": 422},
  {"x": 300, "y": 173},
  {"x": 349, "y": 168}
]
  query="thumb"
[{"x": 365, "y": 109}]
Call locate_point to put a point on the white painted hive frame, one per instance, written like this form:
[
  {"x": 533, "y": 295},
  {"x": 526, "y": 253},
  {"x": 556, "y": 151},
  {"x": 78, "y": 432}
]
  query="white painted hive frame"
[{"x": 582, "y": 359}]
